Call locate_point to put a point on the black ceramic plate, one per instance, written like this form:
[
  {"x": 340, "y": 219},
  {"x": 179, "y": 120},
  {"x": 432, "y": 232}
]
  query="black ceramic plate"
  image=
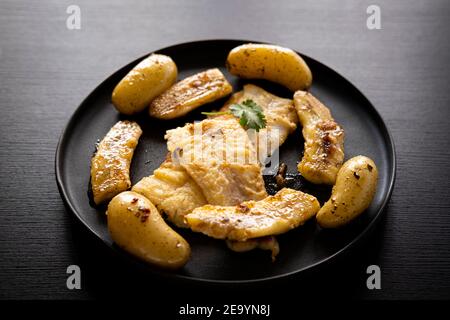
[{"x": 301, "y": 249}]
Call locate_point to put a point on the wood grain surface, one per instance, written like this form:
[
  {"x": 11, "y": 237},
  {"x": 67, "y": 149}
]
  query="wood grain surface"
[{"x": 46, "y": 70}]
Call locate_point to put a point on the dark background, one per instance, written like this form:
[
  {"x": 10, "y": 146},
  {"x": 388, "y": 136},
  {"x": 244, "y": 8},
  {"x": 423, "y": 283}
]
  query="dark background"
[{"x": 46, "y": 70}]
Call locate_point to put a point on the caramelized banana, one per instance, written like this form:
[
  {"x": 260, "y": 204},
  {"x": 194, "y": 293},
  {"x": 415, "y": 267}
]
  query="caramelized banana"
[
  {"x": 189, "y": 94},
  {"x": 324, "y": 140},
  {"x": 110, "y": 166}
]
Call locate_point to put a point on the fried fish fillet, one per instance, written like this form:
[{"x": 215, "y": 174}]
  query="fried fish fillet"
[
  {"x": 189, "y": 94},
  {"x": 110, "y": 166},
  {"x": 179, "y": 199},
  {"x": 324, "y": 140},
  {"x": 280, "y": 114},
  {"x": 253, "y": 219},
  {"x": 172, "y": 191},
  {"x": 218, "y": 156},
  {"x": 265, "y": 243}
]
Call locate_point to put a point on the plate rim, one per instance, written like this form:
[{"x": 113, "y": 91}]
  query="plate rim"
[{"x": 64, "y": 194}]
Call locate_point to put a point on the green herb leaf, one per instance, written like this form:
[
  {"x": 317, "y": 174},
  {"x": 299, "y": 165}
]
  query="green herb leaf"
[{"x": 250, "y": 114}]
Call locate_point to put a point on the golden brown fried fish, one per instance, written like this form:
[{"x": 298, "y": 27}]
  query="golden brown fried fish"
[{"x": 253, "y": 219}]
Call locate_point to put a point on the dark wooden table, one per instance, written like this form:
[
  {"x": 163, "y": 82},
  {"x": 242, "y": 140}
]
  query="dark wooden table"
[{"x": 46, "y": 70}]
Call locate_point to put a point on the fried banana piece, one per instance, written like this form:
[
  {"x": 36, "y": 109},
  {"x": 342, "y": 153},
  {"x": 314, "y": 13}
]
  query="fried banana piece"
[
  {"x": 189, "y": 94},
  {"x": 254, "y": 219},
  {"x": 172, "y": 191},
  {"x": 266, "y": 243},
  {"x": 324, "y": 140},
  {"x": 110, "y": 166}
]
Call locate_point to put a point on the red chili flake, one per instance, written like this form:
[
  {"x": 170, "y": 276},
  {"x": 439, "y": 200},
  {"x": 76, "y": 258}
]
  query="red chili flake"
[{"x": 134, "y": 200}]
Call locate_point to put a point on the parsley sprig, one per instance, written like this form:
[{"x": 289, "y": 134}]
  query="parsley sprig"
[{"x": 250, "y": 114}]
